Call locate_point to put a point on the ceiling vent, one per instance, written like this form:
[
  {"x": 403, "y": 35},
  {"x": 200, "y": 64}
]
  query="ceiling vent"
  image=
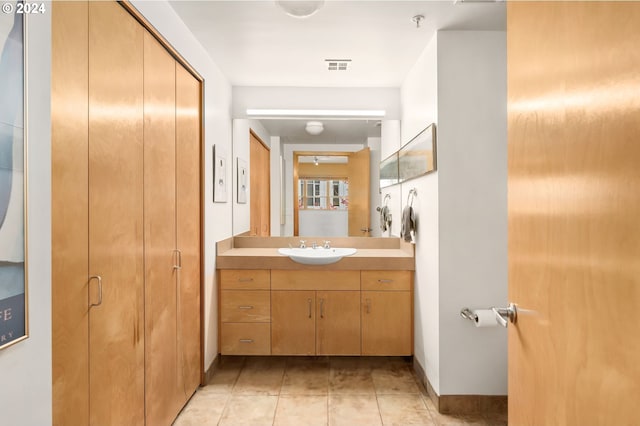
[{"x": 337, "y": 64}]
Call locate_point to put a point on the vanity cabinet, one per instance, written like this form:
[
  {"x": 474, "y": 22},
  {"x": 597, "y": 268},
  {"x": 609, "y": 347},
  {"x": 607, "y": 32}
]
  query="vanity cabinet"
[
  {"x": 245, "y": 312},
  {"x": 315, "y": 322},
  {"x": 387, "y": 313},
  {"x": 319, "y": 312}
]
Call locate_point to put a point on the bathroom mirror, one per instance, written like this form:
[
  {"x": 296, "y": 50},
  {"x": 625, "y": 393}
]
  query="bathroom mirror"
[
  {"x": 389, "y": 171},
  {"x": 323, "y": 191},
  {"x": 418, "y": 156}
]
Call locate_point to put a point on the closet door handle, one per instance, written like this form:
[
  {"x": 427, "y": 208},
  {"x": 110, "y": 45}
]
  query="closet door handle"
[
  {"x": 309, "y": 303},
  {"x": 321, "y": 308},
  {"x": 178, "y": 264},
  {"x": 99, "y": 278}
]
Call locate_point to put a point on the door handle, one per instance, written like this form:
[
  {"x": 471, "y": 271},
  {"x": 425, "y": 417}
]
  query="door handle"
[
  {"x": 366, "y": 229},
  {"x": 321, "y": 308},
  {"x": 503, "y": 315},
  {"x": 368, "y": 305},
  {"x": 99, "y": 278},
  {"x": 309, "y": 302},
  {"x": 178, "y": 264}
]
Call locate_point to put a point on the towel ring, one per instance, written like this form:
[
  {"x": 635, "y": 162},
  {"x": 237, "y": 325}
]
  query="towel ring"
[
  {"x": 387, "y": 197},
  {"x": 412, "y": 194}
]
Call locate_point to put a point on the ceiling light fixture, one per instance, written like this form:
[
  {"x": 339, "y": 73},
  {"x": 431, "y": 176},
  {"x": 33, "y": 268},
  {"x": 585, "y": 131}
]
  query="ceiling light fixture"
[
  {"x": 418, "y": 19},
  {"x": 300, "y": 9},
  {"x": 314, "y": 128},
  {"x": 312, "y": 113}
]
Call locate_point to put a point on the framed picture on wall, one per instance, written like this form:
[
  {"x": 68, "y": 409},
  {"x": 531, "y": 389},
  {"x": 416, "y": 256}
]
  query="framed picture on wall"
[
  {"x": 13, "y": 170},
  {"x": 219, "y": 177}
]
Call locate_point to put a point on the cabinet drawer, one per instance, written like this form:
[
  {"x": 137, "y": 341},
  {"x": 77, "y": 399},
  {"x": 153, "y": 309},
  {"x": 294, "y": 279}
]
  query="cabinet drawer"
[
  {"x": 315, "y": 280},
  {"x": 245, "y": 306},
  {"x": 386, "y": 280},
  {"x": 246, "y": 339},
  {"x": 245, "y": 279}
]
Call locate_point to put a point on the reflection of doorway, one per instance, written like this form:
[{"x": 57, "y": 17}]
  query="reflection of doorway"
[
  {"x": 259, "y": 187},
  {"x": 331, "y": 193}
]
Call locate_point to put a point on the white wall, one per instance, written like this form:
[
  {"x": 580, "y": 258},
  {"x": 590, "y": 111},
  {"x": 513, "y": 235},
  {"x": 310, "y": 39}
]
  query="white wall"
[
  {"x": 386, "y": 98},
  {"x": 241, "y": 128},
  {"x": 472, "y": 161},
  {"x": 276, "y": 186},
  {"x": 218, "y": 131},
  {"x": 374, "y": 145},
  {"x": 419, "y": 109},
  {"x": 459, "y": 82},
  {"x": 25, "y": 393}
]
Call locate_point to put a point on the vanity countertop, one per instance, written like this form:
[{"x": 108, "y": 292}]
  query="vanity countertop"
[{"x": 262, "y": 253}]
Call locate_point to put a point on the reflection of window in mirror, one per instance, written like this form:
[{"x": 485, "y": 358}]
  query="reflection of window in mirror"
[{"x": 323, "y": 194}]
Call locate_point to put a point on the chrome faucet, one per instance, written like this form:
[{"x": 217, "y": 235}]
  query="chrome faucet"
[
  {"x": 302, "y": 244},
  {"x": 327, "y": 244},
  {"x": 314, "y": 245}
]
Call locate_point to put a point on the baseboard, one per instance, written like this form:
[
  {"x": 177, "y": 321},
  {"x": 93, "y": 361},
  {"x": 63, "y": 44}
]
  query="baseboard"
[
  {"x": 461, "y": 404},
  {"x": 211, "y": 370}
]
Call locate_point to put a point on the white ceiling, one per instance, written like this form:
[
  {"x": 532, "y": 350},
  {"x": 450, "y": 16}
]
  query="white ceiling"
[{"x": 256, "y": 44}]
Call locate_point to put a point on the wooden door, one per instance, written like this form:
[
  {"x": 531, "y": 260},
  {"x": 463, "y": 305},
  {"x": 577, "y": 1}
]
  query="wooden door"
[
  {"x": 293, "y": 323},
  {"x": 259, "y": 188},
  {"x": 161, "y": 357},
  {"x": 188, "y": 225},
  {"x": 387, "y": 323},
  {"x": 116, "y": 330},
  {"x": 338, "y": 322},
  {"x": 69, "y": 213},
  {"x": 574, "y": 204},
  {"x": 359, "y": 180}
]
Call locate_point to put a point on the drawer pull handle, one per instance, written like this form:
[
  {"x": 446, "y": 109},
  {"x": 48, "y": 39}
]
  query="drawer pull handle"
[
  {"x": 309, "y": 303},
  {"x": 385, "y": 281},
  {"x": 245, "y": 307},
  {"x": 321, "y": 308},
  {"x": 245, "y": 280},
  {"x": 246, "y": 340}
]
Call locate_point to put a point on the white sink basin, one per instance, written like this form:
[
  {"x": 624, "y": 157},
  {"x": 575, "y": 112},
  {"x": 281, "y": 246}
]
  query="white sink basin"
[{"x": 316, "y": 256}]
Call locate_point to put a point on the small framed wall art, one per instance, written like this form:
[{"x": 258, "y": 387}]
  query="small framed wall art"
[
  {"x": 219, "y": 177},
  {"x": 242, "y": 181}
]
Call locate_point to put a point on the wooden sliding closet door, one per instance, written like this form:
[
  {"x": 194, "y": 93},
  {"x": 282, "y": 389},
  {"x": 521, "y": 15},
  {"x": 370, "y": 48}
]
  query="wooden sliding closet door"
[
  {"x": 69, "y": 213},
  {"x": 188, "y": 228},
  {"x": 161, "y": 357},
  {"x": 259, "y": 187},
  {"x": 116, "y": 335}
]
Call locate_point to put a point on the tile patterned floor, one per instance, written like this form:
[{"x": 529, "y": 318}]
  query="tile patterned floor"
[{"x": 299, "y": 391}]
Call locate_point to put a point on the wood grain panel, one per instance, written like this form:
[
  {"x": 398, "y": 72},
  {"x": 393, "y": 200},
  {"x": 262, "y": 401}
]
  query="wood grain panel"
[
  {"x": 315, "y": 280},
  {"x": 245, "y": 279},
  {"x": 162, "y": 401},
  {"x": 338, "y": 323},
  {"x": 359, "y": 203},
  {"x": 69, "y": 212},
  {"x": 245, "y": 339},
  {"x": 387, "y": 323},
  {"x": 116, "y": 215},
  {"x": 574, "y": 240},
  {"x": 386, "y": 280},
  {"x": 259, "y": 187},
  {"x": 189, "y": 226},
  {"x": 322, "y": 170},
  {"x": 293, "y": 323},
  {"x": 245, "y": 306}
]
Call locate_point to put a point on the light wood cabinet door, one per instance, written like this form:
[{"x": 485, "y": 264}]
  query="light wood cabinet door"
[
  {"x": 69, "y": 213},
  {"x": 293, "y": 322},
  {"x": 259, "y": 187},
  {"x": 338, "y": 323},
  {"x": 116, "y": 229},
  {"x": 161, "y": 359},
  {"x": 188, "y": 221},
  {"x": 387, "y": 323}
]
